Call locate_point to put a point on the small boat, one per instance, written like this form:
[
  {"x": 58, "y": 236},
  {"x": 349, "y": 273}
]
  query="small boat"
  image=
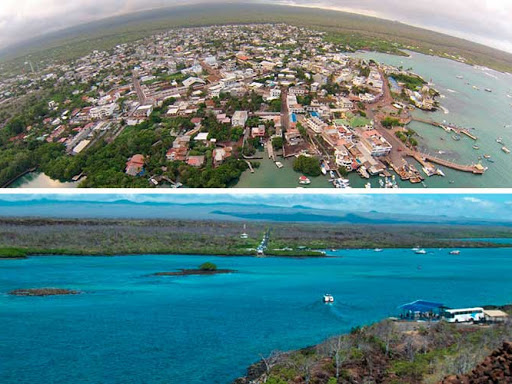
[
  {"x": 378, "y": 249},
  {"x": 455, "y": 252},
  {"x": 460, "y": 77},
  {"x": 487, "y": 156},
  {"x": 488, "y": 90},
  {"x": 303, "y": 180},
  {"x": 279, "y": 164},
  {"x": 441, "y": 173},
  {"x": 476, "y": 147},
  {"x": 506, "y": 150},
  {"x": 456, "y": 137},
  {"x": 332, "y": 174},
  {"x": 328, "y": 299},
  {"x": 324, "y": 169},
  {"x": 490, "y": 160},
  {"x": 368, "y": 185},
  {"x": 421, "y": 252},
  {"x": 499, "y": 140}
]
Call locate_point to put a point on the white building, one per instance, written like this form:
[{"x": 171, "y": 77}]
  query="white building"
[{"x": 240, "y": 118}]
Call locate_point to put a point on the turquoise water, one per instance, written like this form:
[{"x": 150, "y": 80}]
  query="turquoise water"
[
  {"x": 489, "y": 113},
  {"x": 129, "y": 327}
]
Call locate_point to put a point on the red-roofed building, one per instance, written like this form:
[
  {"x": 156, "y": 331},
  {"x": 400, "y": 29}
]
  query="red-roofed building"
[{"x": 135, "y": 165}]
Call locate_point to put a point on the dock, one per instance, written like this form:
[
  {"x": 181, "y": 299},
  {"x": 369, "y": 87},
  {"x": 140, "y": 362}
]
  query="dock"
[
  {"x": 447, "y": 127},
  {"x": 250, "y": 166},
  {"x": 422, "y": 158},
  {"x": 270, "y": 150}
]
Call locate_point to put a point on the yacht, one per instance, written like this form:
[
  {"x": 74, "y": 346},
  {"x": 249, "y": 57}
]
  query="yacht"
[
  {"x": 457, "y": 252},
  {"x": 441, "y": 173},
  {"x": 416, "y": 249},
  {"x": 421, "y": 252},
  {"x": 378, "y": 249},
  {"x": 476, "y": 147},
  {"x": 324, "y": 169},
  {"x": 328, "y": 299},
  {"x": 303, "y": 180}
]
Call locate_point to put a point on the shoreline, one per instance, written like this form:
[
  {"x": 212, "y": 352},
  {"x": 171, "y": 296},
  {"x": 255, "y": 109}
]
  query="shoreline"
[{"x": 321, "y": 254}]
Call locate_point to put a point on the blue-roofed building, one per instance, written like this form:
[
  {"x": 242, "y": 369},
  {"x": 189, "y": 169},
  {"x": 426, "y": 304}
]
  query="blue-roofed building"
[
  {"x": 314, "y": 114},
  {"x": 422, "y": 310},
  {"x": 293, "y": 118}
]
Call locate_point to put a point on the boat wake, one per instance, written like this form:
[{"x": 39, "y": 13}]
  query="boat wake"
[
  {"x": 491, "y": 75},
  {"x": 451, "y": 91}
]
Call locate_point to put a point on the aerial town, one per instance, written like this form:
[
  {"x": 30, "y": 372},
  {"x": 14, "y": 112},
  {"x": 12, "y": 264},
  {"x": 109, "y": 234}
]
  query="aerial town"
[{"x": 197, "y": 107}]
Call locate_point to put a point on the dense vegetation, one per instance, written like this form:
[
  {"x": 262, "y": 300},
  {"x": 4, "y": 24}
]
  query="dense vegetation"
[
  {"x": 410, "y": 82},
  {"x": 22, "y": 237},
  {"x": 309, "y": 166}
]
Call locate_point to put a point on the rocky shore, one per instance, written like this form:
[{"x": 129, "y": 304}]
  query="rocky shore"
[
  {"x": 497, "y": 368},
  {"x": 41, "y": 292}
]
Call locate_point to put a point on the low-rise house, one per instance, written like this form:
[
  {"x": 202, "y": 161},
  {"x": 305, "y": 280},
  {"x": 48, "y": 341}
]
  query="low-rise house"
[
  {"x": 135, "y": 165},
  {"x": 240, "y": 118},
  {"x": 221, "y": 154},
  {"x": 258, "y": 131},
  {"x": 196, "y": 161},
  {"x": 177, "y": 154},
  {"x": 143, "y": 111}
]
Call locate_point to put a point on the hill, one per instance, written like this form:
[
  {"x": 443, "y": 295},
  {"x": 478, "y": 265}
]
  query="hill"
[{"x": 356, "y": 31}]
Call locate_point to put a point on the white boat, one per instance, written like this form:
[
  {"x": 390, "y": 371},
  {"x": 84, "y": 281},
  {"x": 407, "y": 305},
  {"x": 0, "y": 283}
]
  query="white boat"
[
  {"x": 460, "y": 77},
  {"x": 303, "y": 180},
  {"x": 279, "y": 164},
  {"x": 378, "y": 249},
  {"x": 421, "y": 252},
  {"x": 476, "y": 147},
  {"x": 328, "y": 299},
  {"x": 441, "y": 173},
  {"x": 506, "y": 150},
  {"x": 499, "y": 140},
  {"x": 455, "y": 252},
  {"x": 333, "y": 175},
  {"x": 416, "y": 249},
  {"x": 488, "y": 90},
  {"x": 324, "y": 169},
  {"x": 368, "y": 185}
]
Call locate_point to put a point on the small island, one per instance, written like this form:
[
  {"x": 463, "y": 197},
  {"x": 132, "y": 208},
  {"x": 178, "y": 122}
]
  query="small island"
[
  {"x": 206, "y": 269},
  {"x": 43, "y": 292}
]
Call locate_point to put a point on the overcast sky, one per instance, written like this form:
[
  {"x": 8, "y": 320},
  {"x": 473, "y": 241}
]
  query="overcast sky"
[{"x": 485, "y": 21}]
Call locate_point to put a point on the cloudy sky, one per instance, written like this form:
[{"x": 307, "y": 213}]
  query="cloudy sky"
[
  {"x": 484, "y": 21},
  {"x": 488, "y": 207}
]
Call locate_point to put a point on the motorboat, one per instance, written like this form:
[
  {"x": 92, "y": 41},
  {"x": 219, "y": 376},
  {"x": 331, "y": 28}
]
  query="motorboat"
[
  {"x": 324, "y": 169},
  {"x": 328, "y": 299},
  {"x": 456, "y": 252},
  {"x": 505, "y": 149},
  {"x": 279, "y": 164},
  {"x": 421, "y": 252},
  {"x": 476, "y": 147},
  {"x": 303, "y": 180},
  {"x": 378, "y": 249}
]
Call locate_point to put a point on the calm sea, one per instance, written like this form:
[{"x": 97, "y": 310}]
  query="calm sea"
[{"x": 131, "y": 327}]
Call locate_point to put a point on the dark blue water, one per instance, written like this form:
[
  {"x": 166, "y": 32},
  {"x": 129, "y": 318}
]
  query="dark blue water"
[{"x": 129, "y": 327}]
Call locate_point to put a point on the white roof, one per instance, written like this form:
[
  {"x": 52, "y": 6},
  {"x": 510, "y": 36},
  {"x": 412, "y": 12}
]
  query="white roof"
[
  {"x": 80, "y": 147},
  {"x": 203, "y": 136},
  {"x": 495, "y": 313}
]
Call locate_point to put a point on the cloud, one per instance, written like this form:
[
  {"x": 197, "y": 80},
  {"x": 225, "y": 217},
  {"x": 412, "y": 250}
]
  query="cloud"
[{"x": 487, "y": 22}]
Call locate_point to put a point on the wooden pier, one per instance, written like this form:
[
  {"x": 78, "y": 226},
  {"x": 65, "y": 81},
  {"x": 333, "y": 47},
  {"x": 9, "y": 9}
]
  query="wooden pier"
[{"x": 422, "y": 158}]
